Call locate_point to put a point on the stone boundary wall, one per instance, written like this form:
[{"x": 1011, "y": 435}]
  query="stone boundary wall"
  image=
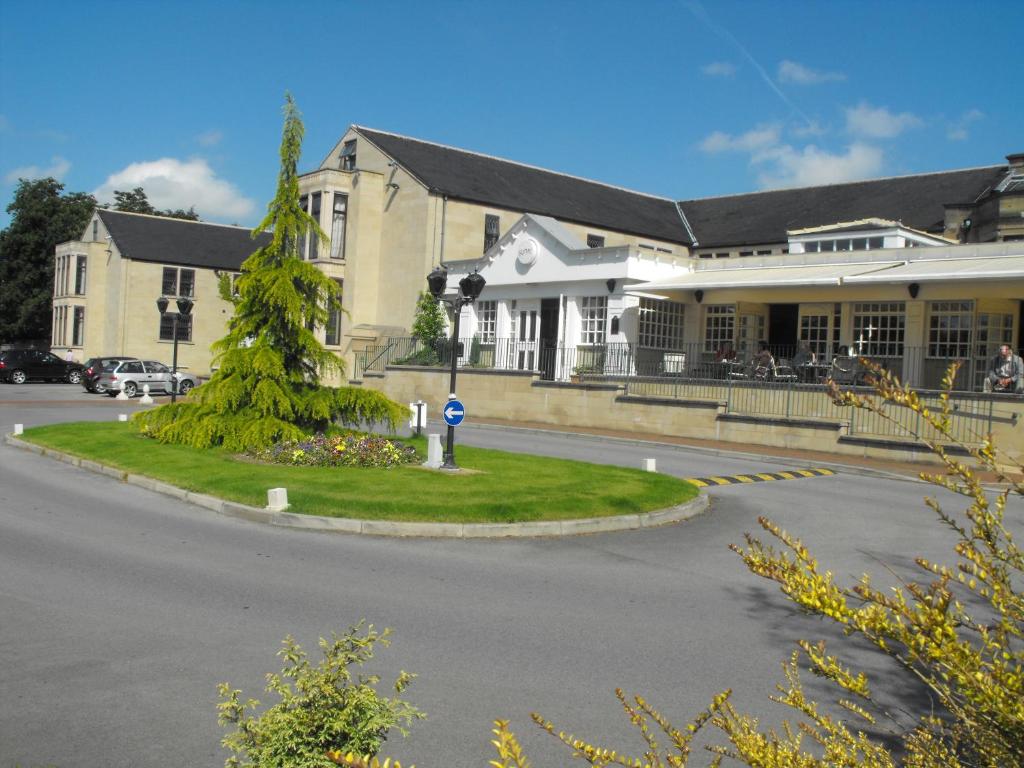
[{"x": 521, "y": 396}]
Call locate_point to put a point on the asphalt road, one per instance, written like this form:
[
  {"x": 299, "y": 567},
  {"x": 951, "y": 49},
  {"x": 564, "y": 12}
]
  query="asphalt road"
[{"x": 120, "y": 609}]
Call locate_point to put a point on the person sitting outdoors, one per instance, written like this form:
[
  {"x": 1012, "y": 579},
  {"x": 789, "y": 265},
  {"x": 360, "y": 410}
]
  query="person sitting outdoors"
[
  {"x": 763, "y": 362},
  {"x": 1006, "y": 373},
  {"x": 845, "y": 367},
  {"x": 803, "y": 362},
  {"x": 725, "y": 353},
  {"x": 804, "y": 355}
]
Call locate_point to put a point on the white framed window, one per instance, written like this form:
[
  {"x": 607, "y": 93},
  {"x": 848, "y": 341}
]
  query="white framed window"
[
  {"x": 593, "y": 319},
  {"x": 950, "y": 327},
  {"x": 719, "y": 326},
  {"x": 878, "y": 328},
  {"x": 338, "y": 221},
  {"x": 661, "y": 324},
  {"x": 486, "y": 320}
]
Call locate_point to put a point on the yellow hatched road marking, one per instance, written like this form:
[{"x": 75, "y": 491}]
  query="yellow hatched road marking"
[
  {"x": 744, "y": 479},
  {"x": 804, "y": 472},
  {"x": 786, "y": 475},
  {"x": 765, "y": 476},
  {"x": 721, "y": 480},
  {"x": 698, "y": 483}
]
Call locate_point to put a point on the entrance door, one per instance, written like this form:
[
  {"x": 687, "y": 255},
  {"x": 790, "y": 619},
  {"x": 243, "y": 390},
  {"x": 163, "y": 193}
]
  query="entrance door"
[
  {"x": 749, "y": 333},
  {"x": 782, "y": 329},
  {"x": 524, "y": 355},
  {"x": 548, "y": 338},
  {"x": 819, "y": 327}
]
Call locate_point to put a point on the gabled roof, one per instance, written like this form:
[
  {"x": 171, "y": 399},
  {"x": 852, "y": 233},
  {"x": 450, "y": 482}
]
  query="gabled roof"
[
  {"x": 764, "y": 217},
  {"x": 177, "y": 241},
  {"x": 478, "y": 178}
]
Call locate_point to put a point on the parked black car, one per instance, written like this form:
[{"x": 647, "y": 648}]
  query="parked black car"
[
  {"x": 19, "y": 365},
  {"x": 93, "y": 367}
]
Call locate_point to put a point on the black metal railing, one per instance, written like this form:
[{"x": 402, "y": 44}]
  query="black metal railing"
[{"x": 780, "y": 364}]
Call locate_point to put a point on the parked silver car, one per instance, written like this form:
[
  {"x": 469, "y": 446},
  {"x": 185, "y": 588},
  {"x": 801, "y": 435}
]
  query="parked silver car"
[{"x": 133, "y": 375}]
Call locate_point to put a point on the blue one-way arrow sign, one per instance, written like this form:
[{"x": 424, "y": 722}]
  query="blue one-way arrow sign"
[{"x": 454, "y": 412}]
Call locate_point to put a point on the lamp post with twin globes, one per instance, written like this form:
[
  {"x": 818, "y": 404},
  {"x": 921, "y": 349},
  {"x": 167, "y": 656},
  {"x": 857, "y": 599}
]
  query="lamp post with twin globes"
[
  {"x": 184, "y": 310},
  {"x": 469, "y": 290}
]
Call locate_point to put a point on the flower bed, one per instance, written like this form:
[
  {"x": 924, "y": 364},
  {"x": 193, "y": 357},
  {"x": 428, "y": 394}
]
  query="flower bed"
[{"x": 352, "y": 450}]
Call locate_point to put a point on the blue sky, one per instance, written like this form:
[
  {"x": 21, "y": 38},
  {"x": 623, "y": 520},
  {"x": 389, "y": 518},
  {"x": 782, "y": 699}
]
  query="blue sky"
[{"x": 682, "y": 99}]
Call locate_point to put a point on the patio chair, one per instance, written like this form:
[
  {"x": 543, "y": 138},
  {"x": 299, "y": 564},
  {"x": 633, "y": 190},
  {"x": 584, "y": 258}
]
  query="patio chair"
[{"x": 784, "y": 371}]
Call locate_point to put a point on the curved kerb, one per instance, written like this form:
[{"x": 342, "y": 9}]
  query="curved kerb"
[{"x": 384, "y": 527}]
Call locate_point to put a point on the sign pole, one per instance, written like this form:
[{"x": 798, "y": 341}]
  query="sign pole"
[{"x": 449, "y": 454}]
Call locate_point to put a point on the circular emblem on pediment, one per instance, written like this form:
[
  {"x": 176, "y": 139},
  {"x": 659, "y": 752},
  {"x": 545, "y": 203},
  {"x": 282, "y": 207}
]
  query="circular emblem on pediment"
[{"x": 527, "y": 250}]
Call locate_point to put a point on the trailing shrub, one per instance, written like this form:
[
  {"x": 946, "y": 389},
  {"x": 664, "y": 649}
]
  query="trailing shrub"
[
  {"x": 321, "y": 709},
  {"x": 352, "y": 450}
]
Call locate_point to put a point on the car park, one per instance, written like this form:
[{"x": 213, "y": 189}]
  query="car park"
[
  {"x": 133, "y": 375},
  {"x": 94, "y": 366},
  {"x": 20, "y": 365}
]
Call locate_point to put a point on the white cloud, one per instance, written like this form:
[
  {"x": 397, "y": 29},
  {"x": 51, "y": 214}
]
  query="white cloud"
[
  {"x": 787, "y": 166},
  {"x": 210, "y": 138},
  {"x": 957, "y": 130},
  {"x": 172, "y": 183},
  {"x": 878, "y": 122},
  {"x": 59, "y": 166},
  {"x": 793, "y": 72},
  {"x": 813, "y": 128},
  {"x": 752, "y": 141},
  {"x": 719, "y": 69}
]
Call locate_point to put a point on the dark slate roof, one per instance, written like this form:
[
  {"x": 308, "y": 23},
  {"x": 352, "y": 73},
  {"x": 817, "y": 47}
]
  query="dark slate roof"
[
  {"x": 505, "y": 184},
  {"x": 764, "y": 217},
  {"x": 176, "y": 241}
]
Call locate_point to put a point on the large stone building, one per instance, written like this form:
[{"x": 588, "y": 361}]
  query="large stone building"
[
  {"x": 582, "y": 274},
  {"x": 106, "y": 285}
]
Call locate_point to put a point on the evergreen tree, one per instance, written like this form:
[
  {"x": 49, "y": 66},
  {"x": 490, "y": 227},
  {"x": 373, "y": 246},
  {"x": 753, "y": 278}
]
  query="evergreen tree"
[
  {"x": 429, "y": 324},
  {"x": 267, "y": 386},
  {"x": 41, "y": 217}
]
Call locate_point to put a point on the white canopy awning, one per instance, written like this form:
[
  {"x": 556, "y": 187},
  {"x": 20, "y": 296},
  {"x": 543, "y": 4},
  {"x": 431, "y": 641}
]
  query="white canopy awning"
[
  {"x": 764, "y": 277},
  {"x": 925, "y": 270}
]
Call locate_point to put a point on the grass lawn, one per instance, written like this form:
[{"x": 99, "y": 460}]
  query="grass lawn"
[{"x": 506, "y": 487}]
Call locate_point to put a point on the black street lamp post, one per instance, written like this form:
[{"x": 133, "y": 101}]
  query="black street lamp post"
[
  {"x": 184, "y": 310},
  {"x": 469, "y": 290}
]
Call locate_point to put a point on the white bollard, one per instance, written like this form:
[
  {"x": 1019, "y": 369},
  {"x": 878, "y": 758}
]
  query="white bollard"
[
  {"x": 19, "y": 429},
  {"x": 435, "y": 456},
  {"x": 277, "y": 499},
  {"x": 122, "y": 417},
  {"x": 121, "y": 395},
  {"x": 145, "y": 399},
  {"x": 649, "y": 465}
]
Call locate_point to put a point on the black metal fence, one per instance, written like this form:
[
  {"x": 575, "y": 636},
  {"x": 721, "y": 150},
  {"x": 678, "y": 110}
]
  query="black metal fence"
[
  {"x": 595, "y": 362},
  {"x": 767, "y": 385}
]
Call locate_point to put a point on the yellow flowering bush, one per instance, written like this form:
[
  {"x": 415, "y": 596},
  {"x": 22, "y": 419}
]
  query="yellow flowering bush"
[{"x": 959, "y": 632}]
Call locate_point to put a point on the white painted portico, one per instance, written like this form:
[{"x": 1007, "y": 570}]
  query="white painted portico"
[{"x": 547, "y": 290}]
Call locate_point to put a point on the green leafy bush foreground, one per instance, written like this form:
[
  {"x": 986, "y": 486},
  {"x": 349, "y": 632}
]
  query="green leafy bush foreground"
[
  {"x": 352, "y": 450},
  {"x": 321, "y": 708}
]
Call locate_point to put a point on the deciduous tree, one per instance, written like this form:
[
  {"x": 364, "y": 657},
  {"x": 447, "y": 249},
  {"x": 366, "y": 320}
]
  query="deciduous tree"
[{"x": 42, "y": 216}]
